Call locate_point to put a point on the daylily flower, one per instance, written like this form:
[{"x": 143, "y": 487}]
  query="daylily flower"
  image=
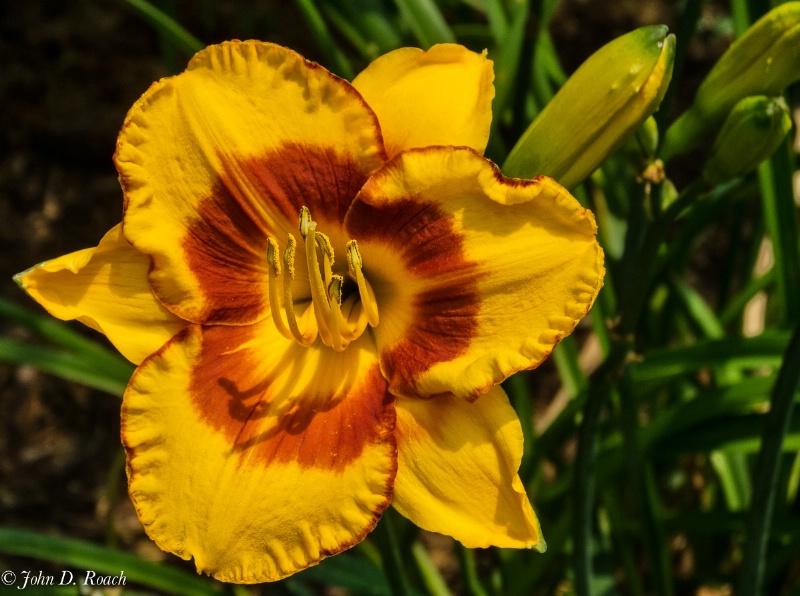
[{"x": 323, "y": 285}]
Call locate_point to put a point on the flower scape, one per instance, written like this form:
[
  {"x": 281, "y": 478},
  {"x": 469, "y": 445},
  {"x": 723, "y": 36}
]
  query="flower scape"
[{"x": 323, "y": 284}]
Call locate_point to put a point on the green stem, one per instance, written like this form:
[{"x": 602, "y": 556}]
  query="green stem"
[
  {"x": 643, "y": 498},
  {"x": 766, "y": 471},
  {"x": 431, "y": 577},
  {"x": 600, "y": 389},
  {"x": 469, "y": 572},
  {"x": 780, "y": 216},
  {"x": 637, "y": 279}
]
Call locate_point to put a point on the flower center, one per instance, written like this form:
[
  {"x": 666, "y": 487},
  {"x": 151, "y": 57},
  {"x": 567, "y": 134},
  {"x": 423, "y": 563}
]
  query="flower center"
[{"x": 337, "y": 321}]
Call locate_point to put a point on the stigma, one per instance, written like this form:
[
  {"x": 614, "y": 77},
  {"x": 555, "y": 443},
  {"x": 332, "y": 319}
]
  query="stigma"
[{"x": 333, "y": 317}]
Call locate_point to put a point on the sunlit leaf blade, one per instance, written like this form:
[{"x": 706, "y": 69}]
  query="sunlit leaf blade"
[
  {"x": 82, "y": 556},
  {"x": 68, "y": 365},
  {"x": 60, "y": 333},
  {"x": 664, "y": 365},
  {"x": 740, "y": 398}
]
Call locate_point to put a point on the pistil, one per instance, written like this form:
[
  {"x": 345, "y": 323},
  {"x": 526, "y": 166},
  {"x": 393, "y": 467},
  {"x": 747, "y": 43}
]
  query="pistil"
[
  {"x": 354, "y": 263},
  {"x": 307, "y": 338}
]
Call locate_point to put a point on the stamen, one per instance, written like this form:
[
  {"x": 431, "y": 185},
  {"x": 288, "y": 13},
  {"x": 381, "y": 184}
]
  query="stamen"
[
  {"x": 326, "y": 247},
  {"x": 319, "y": 297},
  {"x": 354, "y": 263},
  {"x": 336, "y": 320},
  {"x": 274, "y": 276},
  {"x": 305, "y": 221},
  {"x": 305, "y": 339}
]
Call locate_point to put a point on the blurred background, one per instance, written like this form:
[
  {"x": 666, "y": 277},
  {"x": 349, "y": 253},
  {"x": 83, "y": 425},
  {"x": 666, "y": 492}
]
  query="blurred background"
[{"x": 69, "y": 71}]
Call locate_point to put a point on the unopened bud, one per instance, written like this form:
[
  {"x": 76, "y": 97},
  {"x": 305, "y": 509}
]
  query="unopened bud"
[
  {"x": 763, "y": 61},
  {"x": 754, "y": 129},
  {"x": 597, "y": 109}
]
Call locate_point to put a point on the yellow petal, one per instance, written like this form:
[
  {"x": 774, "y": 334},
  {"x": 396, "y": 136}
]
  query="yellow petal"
[
  {"x": 476, "y": 276},
  {"x": 457, "y": 468},
  {"x": 105, "y": 288},
  {"x": 216, "y": 159},
  {"x": 442, "y": 96},
  {"x": 254, "y": 455}
]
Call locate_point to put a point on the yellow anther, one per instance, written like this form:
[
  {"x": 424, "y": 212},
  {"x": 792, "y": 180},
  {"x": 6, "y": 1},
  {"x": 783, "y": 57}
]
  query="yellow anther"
[
  {"x": 353, "y": 258},
  {"x": 310, "y": 335},
  {"x": 335, "y": 290},
  {"x": 305, "y": 221},
  {"x": 288, "y": 256},
  {"x": 272, "y": 251},
  {"x": 274, "y": 302},
  {"x": 354, "y": 263},
  {"x": 336, "y": 320}
]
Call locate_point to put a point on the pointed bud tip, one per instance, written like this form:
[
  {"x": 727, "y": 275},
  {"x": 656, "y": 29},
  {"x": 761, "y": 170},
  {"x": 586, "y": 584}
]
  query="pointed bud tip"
[{"x": 19, "y": 278}]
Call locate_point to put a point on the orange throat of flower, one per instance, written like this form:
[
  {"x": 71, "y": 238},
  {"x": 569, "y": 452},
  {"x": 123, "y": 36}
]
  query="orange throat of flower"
[{"x": 336, "y": 320}]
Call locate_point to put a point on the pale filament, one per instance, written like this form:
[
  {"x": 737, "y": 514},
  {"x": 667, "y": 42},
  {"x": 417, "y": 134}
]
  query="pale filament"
[{"x": 336, "y": 320}]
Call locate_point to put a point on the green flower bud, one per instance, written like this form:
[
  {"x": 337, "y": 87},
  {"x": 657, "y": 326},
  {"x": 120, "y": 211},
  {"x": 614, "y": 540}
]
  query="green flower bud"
[
  {"x": 754, "y": 129},
  {"x": 605, "y": 101},
  {"x": 763, "y": 61}
]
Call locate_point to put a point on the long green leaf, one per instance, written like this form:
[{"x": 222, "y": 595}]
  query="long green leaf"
[
  {"x": 426, "y": 22},
  {"x": 357, "y": 575},
  {"x": 339, "y": 62},
  {"x": 345, "y": 26},
  {"x": 496, "y": 15},
  {"x": 506, "y": 65},
  {"x": 374, "y": 20},
  {"x": 82, "y": 556},
  {"x": 778, "y": 422},
  {"x": 68, "y": 365},
  {"x": 167, "y": 26},
  {"x": 743, "y": 397},
  {"x": 664, "y": 365},
  {"x": 60, "y": 334},
  {"x": 391, "y": 557}
]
